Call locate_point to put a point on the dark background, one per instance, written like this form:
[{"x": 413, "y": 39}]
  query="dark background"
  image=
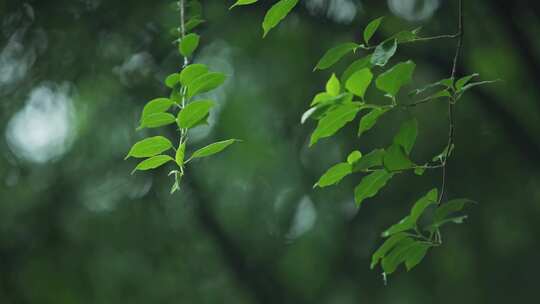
[{"x": 247, "y": 227}]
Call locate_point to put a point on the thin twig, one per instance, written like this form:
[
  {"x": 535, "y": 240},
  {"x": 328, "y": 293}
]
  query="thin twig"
[{"x": 452, "y": 101}]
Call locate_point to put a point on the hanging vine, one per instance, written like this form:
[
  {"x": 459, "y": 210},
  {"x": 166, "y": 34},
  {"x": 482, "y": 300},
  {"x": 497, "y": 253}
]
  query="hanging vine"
[
  {"x": 344, "y": 98},
  {"x": 182, "y": 108}
]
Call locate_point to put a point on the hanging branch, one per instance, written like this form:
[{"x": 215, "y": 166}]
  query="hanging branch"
[
  {"x": 188, "y": 113},
  {"x": 344, "y": 98}
]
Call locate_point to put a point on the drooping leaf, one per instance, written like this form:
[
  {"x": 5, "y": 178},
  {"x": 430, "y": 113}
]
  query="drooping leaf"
[
  {"x": 333, "y": 86},
  {"x": 420, "y": 206},
  {"x": 409, "y": 222},
  {"x": 440, "y": 94},
  {"x": 359, "y": 82},
  {"x": 180, "y": 154},
  {"x": 370, "y": 186},
  {"x": 371, "y": 28},
  {"x": 383, "y": 52},
  {"x": 153, "y": 163},
  {"x": 356, "y": 66},
  {"x": 327, "y": 98},
  {"x": 460, "y": 83},
  {"x": 454, "y": 220},
  {"x": 323, "y": 104},
  {"x": 397, "y": 256},
  {"x": 333, "y": 55},
  {"x": 385, "y": 248},
  {"x": 191, "y": 72},
  {"x": 449, "y": 208},
  {"x": 369, "y": 120},
  {"x": 192, "y": 23},
  {"x": 395, "y": 159},
  {"x": 193, "y": 113},
  {"x": 149, "y": 147},
  {"x": 334, "y": 175},
  {"x": 189, "y": 44},
  {"x": 370, "y": 160},
  {"x": 447, "y": 83},
  {"x": 276, "y": 14},
  {"x": 242, "y": 2},
  {"x": 475, "y": 84},
  {"x": 213, "y": 148},
  {"x": 392, "y": 80},
  {"x": 334, "y": 120},
  {"x": 406, "y": 36},
  {"x": 403, "y": 225},
  {"x": 354, "y": 157},
  {"x": 172, "y": 80},
  {"x": 158, "y": 105},
  {"x": 406, "y": 137},
  {"x": 205, "y": 83},
  {"x": 157, "y": 120},
  {"x": 419, "y": 171},
  {"x": 415, "y": 254}
]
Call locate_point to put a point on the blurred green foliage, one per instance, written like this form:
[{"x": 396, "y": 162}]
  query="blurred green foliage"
[{"x": 75, "y": 227}]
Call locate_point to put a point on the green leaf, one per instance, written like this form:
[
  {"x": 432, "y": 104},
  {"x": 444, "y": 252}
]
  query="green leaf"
[
  {"x": 172, "y": 80},
  {"x": 455, "y": 220},
  {"x": 242, "y": 2},
  {"x": 189, "y": 44},
  {"x": 157, "y": 120},
  {"x": 397, "y": 255},
  {"x": 406, "y": 36},
  {"x": 322, "y": 105},
  {"x": 191, "y": 72},
  {"x": 370, "y": 185},
  {"x": 326, "y": 98},
  {"x": 334, "y": 175},
  {"x": 158, "y": 105},
  {"x": 371, "y": 28},
  {"x": 415, "y": 254},
  {"x": 406, "y": 137},
  {"x": 447, "y": 83},
  {"x": 357, "y": 65},
  {"x": 276, "y": 14},
  {"x": 475, "y": 84},
  {"x": 333, "y": 87},
  {"x": 440, "y": 94},
  {"x": 420, "y": 206},
  {"x": 395, "y": 159},
  {"x": 450, "y": 208},
  {"x": 354, "y": 157},
  {"x": 392, "y": 80},
  {"x": 334, "y": 120},
  {"x": 153, "y": 163},
  {"x": 180, "y": 154},
  {"x": 403, "y": 225},
  {"x": 419, "y": 171},
  {"x": 193, "y": 113},
  {"x": 150, "y": 147},
  {"x": 335, "y": 54},
  {"x": 370, "y": 160},
  {"x": 369, "y": 120},
  {"x": 359, "y": 82},
  {"x": 193, "y": 23},
  {"x": 383, "y": 52},
  {"x": 213, "y": 148},
  {"x": 388, "y": 245},
  {"x": 205, "y": 83},
  {"x": 464, "y": 80},
  {"x": 409, "y": 222}
]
